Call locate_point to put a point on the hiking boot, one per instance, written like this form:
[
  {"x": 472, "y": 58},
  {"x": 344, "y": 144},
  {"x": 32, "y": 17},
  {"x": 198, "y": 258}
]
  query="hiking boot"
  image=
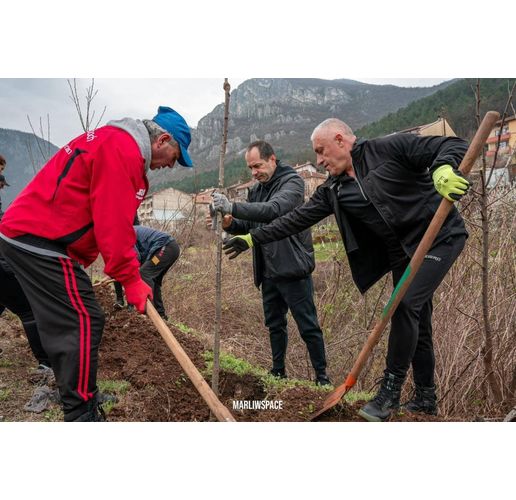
[
  {"x": 386, "y": 400},
  {"x": 278, "y": 372},
  {"x": 423, "y": 400},
  {"x": 322, "y": 379},
  {"x": 96, "y": 414},
  {"x": 93, "y": 412},
  {"x": 119, "y": 304}
]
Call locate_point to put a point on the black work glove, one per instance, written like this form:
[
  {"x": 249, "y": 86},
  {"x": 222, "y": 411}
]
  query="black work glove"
[{"x": 234, "y": 246}]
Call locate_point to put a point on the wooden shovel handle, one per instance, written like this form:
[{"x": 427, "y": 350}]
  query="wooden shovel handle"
[{"x": 219, "y": 410}]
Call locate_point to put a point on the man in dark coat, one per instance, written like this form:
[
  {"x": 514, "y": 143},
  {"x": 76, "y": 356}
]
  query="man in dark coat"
[
  {"x": 284, "y": 268},
  {"x": 384, "y": 193}
]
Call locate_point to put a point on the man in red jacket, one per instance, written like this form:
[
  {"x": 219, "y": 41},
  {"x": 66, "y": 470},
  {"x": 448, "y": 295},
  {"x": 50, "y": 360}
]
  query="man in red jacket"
[{"x": 82, "y": 203}]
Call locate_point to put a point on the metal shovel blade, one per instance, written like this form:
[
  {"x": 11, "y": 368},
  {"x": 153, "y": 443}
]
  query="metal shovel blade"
[{"x": 335, "y": 396}]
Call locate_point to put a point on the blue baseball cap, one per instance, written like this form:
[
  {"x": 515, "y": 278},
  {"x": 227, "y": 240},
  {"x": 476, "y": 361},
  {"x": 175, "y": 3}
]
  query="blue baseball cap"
[{"x": 175, "y": 124}]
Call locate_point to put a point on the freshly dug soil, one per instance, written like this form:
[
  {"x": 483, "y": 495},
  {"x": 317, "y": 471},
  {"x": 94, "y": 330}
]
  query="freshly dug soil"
[{"x": 132, "y": 350}]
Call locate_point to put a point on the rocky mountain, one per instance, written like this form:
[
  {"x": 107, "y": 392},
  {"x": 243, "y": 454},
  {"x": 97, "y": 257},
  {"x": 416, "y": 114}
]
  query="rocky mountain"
[
  {"x": 284, "y": 111},
  {"x": 25, "y": 155}
]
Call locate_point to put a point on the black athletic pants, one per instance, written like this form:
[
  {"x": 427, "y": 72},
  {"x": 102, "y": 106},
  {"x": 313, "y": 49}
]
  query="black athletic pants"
[
  {"x": 13, "y": 298},
  {"x": 410, "y": 339},
  {"x": 70, "y": 321},
  {"x": 154, "y": 269},
  {"x": 298, "y": 296}
]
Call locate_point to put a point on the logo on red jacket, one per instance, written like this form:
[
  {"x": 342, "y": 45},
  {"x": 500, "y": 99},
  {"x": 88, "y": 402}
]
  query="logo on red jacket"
[{"x": 140, "y": 194}]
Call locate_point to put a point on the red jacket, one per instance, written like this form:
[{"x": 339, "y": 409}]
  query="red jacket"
[{"x": 87, "y": 196}]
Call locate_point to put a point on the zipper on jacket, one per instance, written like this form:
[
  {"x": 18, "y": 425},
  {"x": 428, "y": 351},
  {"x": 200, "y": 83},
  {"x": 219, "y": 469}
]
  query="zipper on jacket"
[
  {"x": 360, "y": 187},
  {"x": 67, "y": 168}
]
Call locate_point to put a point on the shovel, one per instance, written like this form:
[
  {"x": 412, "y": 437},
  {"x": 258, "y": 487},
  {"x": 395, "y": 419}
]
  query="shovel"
[
  {"x": 218, "y": 409},
  {"x": 438, "y": 219}
]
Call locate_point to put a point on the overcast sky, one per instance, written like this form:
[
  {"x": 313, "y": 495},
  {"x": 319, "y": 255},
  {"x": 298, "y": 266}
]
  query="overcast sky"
[{"x": 134, "y": 97}]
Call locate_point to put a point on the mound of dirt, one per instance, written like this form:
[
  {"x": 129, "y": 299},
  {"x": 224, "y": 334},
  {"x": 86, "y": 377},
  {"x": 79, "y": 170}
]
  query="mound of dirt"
[{"x": 133, "y": 350}]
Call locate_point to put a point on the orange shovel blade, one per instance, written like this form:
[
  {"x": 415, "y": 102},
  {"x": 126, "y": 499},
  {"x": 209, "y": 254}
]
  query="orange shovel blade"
[{"x": 335, "y": 396}]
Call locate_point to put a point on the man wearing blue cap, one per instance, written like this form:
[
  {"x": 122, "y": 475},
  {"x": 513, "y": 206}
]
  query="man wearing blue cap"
[{"x": 82, "y": 203}]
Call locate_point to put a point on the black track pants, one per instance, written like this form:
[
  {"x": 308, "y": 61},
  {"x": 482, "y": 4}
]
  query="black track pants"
[
  {"x": 70, "y": 321},
  {"x": 13, "y": 298},
  {"x": 297, "y": 296},
  {"x": 153, "y": 271},
  {"x": 410, "y": 339}
]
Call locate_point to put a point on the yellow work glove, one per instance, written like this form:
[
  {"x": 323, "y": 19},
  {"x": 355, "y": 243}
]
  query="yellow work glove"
[
  {"x": 234, "y": 246},
  {"x": 450, "y": 183}
]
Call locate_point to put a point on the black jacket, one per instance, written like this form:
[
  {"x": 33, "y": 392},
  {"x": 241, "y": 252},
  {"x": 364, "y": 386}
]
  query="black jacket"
[
  {"x": 288, "y": 259},
  {"x": 395, "y": 174}
]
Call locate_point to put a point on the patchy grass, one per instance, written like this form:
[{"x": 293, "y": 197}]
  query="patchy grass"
[
  {"x": 183, "y": 328},
  {"x": 352, "y": 397},
  {"x": 118, "y": 387},
  {"x": 5, "y": 363},
  {"x": 4, "y": 394},
  {"x": 108, "y": 407},
  {"x": 239, "y": 366},
  {"x": 53, "y": 415}
]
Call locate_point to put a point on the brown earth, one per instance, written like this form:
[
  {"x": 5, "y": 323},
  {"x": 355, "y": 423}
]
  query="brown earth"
[{"x": 133, "y": 351}]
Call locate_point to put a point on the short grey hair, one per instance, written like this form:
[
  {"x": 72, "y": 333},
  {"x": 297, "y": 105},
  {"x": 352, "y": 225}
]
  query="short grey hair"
[
  {"x": 155, "y": 131},
  {"x": 333, "y": 123}
]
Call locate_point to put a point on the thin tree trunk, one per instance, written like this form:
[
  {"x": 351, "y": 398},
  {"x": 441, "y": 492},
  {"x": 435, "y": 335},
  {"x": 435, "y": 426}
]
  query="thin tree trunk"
[
  {"x": 218, "y": 277},
  {"x": 487, "y": 348}
]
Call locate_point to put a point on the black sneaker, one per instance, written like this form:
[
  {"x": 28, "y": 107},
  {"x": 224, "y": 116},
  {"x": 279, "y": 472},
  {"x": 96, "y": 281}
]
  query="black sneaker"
[
  {"x": 92, "y": 411},
  {"x": 322, "y": 379},
  {"x": 424, "y": 400},
  {"x": 278, "y": 372},
  {"x": 119, "y": 304},
  {"x": 386, "y": 400}
]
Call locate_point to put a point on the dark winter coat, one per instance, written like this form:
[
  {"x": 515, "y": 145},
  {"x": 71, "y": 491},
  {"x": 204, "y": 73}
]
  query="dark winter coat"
[
  {"x": 292, "y": 257},
  {"x": 395, "y": 174},
  {"x": 149, "y": 241}
]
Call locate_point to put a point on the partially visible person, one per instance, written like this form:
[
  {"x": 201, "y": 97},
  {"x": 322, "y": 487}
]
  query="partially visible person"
[
  {"x": 157, "y": 252},
  {"x": 80, "y": 204},
  {"x": 3, "y": 183},
  {"x": 14, "y": 299}
]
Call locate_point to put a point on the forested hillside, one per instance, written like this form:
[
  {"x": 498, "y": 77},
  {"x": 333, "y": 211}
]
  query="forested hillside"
[{"x": 456, "y": 102}]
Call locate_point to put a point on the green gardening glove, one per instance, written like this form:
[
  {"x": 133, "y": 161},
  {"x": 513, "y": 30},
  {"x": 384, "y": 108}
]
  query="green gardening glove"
[
  {"x": 234, "y": 246},
  {"x": 450, "y": 183}
]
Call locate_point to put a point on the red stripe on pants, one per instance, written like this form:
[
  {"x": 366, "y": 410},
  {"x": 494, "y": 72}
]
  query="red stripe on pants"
[{"x": 84, "y": 325}]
